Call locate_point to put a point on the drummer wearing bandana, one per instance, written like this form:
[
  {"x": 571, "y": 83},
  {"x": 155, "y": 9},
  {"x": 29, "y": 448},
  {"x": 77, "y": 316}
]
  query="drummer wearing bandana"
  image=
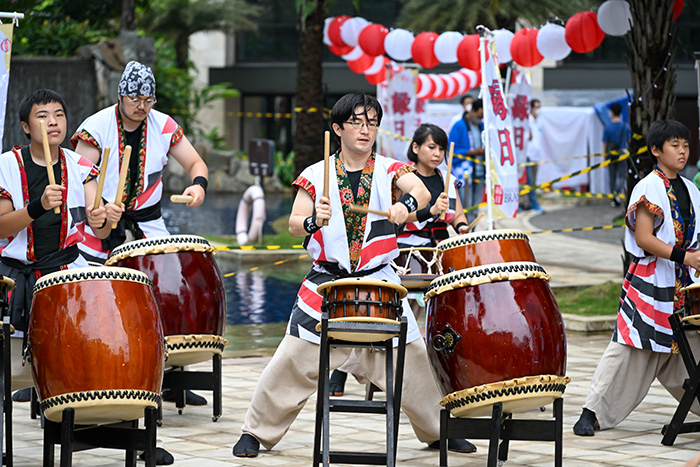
[
  {"x": 351, "y": 245},
  {"x": 34, "y": 239},
  {"x": 152, "y": 136}
]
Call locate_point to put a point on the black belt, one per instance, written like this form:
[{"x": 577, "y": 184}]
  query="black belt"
[
  {"x": 334, "y": 269},
  {"x": 130, "y": 219},
  {"x": 23, "y": 274}
]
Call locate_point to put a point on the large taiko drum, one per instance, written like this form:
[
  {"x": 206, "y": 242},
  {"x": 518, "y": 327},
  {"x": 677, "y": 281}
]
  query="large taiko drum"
[
  {"x": 96, "y": 344},
  {"x": 189, "y": 291},
  {"x": 692, "y": 303},
  {"x": 495, "y": 334},
  {"x": 485, "y": 247},
  {"x": 362, "y": 300},
  {"x": 417, "y": 267}
]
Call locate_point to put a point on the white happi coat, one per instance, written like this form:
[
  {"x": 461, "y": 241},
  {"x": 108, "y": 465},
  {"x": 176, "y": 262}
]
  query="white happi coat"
[{"x": 330, "y": 244}]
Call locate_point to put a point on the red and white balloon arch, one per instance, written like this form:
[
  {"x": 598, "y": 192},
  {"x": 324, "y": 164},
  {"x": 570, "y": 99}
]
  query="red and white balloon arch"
[{"x": 369, "y": 47}]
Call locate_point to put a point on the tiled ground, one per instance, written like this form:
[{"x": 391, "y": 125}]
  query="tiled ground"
[{"x": 196, "y": 441}]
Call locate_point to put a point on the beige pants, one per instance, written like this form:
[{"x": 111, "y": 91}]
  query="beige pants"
[
  {"x": 21, "y": 374},
  {"x": 624, "y": 375},
  {"x": 291, "y": 378}
]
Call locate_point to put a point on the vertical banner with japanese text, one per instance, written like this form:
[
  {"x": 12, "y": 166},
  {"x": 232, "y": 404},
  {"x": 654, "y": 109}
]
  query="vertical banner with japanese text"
[
  {"x": 403, "y": 113},
  {"x": 499, "y": 130},
  {"x": 5, "y": 52},
  {"x": 519, "y": 103}
]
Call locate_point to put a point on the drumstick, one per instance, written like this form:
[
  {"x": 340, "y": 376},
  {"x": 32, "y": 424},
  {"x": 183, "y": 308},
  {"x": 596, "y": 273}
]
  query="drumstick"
[
  {"x": 447, "y": 177},
  {"x": 471, "y": 226},
  {"x": 122, "y": 179},
  {"x": 364, "y": 210},
  {"x": 326, "y": 165},
  {"x": 181, "y": 198},
  {"x": 47, "y": 156},
  {"x": 101, "y": 181}
]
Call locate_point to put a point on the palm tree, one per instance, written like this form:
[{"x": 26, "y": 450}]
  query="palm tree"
[
  {"x": 465, "y": 15},
  {"x": 177, "y": 20},
  {"x": 308, "y": 137}
]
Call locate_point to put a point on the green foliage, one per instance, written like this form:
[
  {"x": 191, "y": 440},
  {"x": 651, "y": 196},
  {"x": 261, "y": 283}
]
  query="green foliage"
[
  {"x": 284, "y": 168},
  {"x": 62, "y": 38},
  {"x": 597, "y": 300}
]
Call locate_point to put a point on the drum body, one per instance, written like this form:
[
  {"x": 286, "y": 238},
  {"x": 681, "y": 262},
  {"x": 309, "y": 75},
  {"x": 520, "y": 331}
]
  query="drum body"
[
  {"x": 96, "y": 344},
  {"x": 486, "y": 247},
  {"x": 417, "y": 267},
  {"x": 189, "y": 291},
  {"x": 362, "y": 300},
  {"x": 492, "y": 324}
]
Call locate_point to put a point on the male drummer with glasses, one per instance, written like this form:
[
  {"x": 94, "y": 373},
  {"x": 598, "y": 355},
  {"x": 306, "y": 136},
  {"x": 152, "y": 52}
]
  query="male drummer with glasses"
[
  {"x": 153, "y": 136},
  {"x": 351, "y": 245}
]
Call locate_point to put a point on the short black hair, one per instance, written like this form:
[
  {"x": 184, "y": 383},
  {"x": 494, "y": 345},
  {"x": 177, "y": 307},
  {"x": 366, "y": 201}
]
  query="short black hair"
[
  {"x": 616, "y": 109},
  {"x": 664, "y": 130},
  {"x": 477, "y": 105},
  {"x": 465, "y": 97},
  {"x": 533, "y": 102},
  {"x": 38, "y": 97},
  {"x": 421, "y": 135},
  {"x": 345, "y": 108}
]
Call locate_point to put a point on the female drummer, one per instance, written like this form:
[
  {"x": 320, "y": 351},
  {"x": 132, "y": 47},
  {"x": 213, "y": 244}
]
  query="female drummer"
[{"x": 424, "y": 227}]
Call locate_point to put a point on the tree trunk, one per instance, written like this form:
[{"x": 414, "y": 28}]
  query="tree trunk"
[
  {"x": 652, "y": 48},
  {"x": 128, "y": 15},
  {"x": 308, "y": 138},
  {"x": 182, "y": 50}
]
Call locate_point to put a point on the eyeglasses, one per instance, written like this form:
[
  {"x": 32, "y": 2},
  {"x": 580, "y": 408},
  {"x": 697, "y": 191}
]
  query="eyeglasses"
[
  {"x": 135, "y": 101},
  {"x": 358, "y": 124}
]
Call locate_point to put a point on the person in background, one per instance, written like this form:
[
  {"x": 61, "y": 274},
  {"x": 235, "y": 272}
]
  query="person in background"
[
  {"x": 466, "y": 102},
  {"x": 466, "y": 135},
  {"x": 534, "y": 153},
  {"x": 615, "y": 137}
]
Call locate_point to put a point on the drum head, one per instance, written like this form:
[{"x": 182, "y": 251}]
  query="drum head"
[
  {"x": 482, "y": 236},
  {"x": 362, "y": 336},
  {"x": 160, "y": 245},
  {"x": 91, "y": 274},
  {"x": 188, "y": 349},
  {"x": 361, "y": 281}
]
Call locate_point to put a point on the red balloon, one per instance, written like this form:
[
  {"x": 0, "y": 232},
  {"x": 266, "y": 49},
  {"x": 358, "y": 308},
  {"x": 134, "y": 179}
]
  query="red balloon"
[
  {"x": 376, "y": 78},
  {"x": 422, "y": 49},
  {"x": 425, "y": 87},
  {"x": 340, "y": 50},
  {"x": 440, "y": 86},
  {"x": 453, "y": 87},
  {"x": 468, "y": 54},
  {"x": 523, "y": 48},
  {"x": 371, "y": 39},
  {"x": 582, "y": 32},
  {"x": 677, "y": 8},
  {"x": 334, "y": 31},
  {"x": 361, "y": 64}
]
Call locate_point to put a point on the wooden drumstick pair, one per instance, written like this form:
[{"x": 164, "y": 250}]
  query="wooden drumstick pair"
[
  {"x": 447, "y": 177},
  {"x": 47, "y": 156}
]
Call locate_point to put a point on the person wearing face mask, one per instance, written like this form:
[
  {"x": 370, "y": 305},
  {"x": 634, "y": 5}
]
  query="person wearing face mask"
[
  {"x": 466, "y": 102},
  {"x": 534, "y": 153},
  {"x": 466, "y": 135}
]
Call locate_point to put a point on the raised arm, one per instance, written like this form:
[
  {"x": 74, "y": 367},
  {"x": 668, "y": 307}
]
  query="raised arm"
[{"x": 186, "y": 155}]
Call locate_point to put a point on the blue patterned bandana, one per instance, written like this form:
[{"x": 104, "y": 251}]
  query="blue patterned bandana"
[{"x": 137, "y": 80}]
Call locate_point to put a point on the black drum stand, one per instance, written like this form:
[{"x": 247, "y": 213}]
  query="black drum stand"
[
  {"x": 502, "y": 427},
  {"x": 126, "y": 435},
  {"x": 691, "y": 384},
  {"x": 391, "y": 407},
  {"x": 178, "y": 379},
  {"x": 6, "y": 382}
]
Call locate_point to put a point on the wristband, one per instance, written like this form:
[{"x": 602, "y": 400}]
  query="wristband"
[
  {"x": 310, "y": 224},
  {"x": 201, "y": 181},
  {"x": 459, "y": 226},
  {"x": 409, "y": 201},
  {"x": 424, "y": 214},
  {"x": 35, "y": 209},
  {"x": 677, "y": 255}
]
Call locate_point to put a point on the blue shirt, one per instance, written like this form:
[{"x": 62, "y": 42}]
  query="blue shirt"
[{"x": 613, "y": 134}]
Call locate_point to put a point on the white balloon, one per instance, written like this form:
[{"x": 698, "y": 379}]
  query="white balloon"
[
  {"x": 427, "y": 86},
  {"x": 451, "y": 84},
  {"x": 398, "y": 44},
  {"x": 551, "y": 42},
  {"x": 614, "y": 17},
  {"x": 502, "y": 38},
  {"x": 471, "y": 76},
  {"x": 326, "y": 23},
  {"x": 439, "y": 84},
  {"x": 350, "y": 30},
  {"x": 445, "y": 47},
  {"x": 376, "y": 65},
  {"x": 354, "y": 54},
  {"x": 462, "y": 82}
]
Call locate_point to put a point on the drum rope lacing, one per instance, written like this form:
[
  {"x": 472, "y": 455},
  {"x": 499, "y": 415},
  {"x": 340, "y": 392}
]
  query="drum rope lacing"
[
  {"x": 483, "y": 271},
  {"x": 462, "y": 240},
  {"x": 554, "y": 387},
  {"x": 200, "y": 344},
  {"x": 92, "y": 274},
  {"x": 86, "y": 396},
  {"x": 190, "y": 239},
  {"x": 403, "y": 271}
]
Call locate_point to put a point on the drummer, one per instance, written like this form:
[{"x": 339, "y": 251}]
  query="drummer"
[
  {"x": 424, "y": 227},
  {"x": 34, "y": 239},
  {"x": 351, "y": 245}
]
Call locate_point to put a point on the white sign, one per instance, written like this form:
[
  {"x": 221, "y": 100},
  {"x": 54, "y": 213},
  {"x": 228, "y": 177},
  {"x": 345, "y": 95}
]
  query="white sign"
[{"x": 5, "y": 52}]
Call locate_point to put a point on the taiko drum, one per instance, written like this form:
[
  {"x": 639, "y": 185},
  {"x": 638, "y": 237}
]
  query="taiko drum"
[
  {"x": 96, "y": 344},
  {"x": 486, "y": 247},
  {"x": 493, "y": 324},
  {"x": 189, "y": 291}
]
